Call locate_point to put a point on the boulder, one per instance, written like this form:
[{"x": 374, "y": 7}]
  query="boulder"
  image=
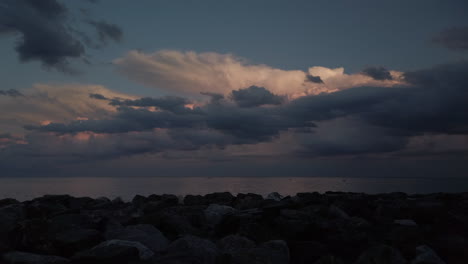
[
  {"x": 215, "y": 213},
  {"x": 114, "y": 251},
  {"x": 70, "y": 241},
  {"x": 147, "y": 235},
  {"x": 17, "y": 257},
  {"x": 191, "y": 249},
  {"x": 223, "y": 198},
  {"x": 271, "y": 252},
  {"x": 329, "y": 260},
  {"x": 425, "y": 255},
  {"x": 405, "y": 222},
  {"x": 234, "y": 243},
  {"x": 274, "y": 196},
  {"x": 194, "y": 200},
  {"x": 381, "y": 254}
]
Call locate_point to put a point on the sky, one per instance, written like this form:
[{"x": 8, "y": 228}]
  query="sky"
[{"x": 234, "y": 88}]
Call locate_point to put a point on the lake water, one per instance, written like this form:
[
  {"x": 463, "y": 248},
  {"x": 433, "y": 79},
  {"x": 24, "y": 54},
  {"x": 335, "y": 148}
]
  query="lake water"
[{"x": 28, "y": 188}]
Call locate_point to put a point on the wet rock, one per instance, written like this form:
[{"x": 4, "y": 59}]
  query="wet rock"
[
  {"x": 381, "y": 254},
  {"x": 147, "y": 235},
  {"x": 425, "y": 255},
  {"x": 17, "y": 257},
  {"x": 335, "y": 211},
  {"x": 191, "y": 249},
  {"x": 114, "y": 251},
  {"x": 215, "y": 213}
]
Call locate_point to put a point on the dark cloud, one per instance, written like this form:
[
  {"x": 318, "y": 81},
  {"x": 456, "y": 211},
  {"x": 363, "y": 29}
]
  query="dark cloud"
[
  {"x": 215, "y": 97},
  {"x": 169, "y": 103},
  {"x": 98, "y": 96},
  {"x": 107, "y": 31},
  {"x": 355, "y": 121},
  {"x": 255, "y": 96},
  {"x": 455, "y": 38},
  {"x": 45, "y": 32},
  {"x": 11, "y": 92},
  {"x": 377, "y": 73},
  {"x": 313, "y": 79}
]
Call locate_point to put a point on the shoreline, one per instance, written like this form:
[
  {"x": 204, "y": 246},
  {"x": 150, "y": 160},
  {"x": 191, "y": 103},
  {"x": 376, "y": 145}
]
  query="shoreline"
[{"x": 331, "y": 227}]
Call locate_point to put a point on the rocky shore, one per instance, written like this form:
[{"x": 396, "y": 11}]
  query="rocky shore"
[{"x": 247, "y": 228}]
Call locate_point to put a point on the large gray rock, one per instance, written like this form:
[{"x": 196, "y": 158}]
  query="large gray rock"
[
  {"x": 114, "y": 251},
  {"x": 381, "y": 254},
  {"x": 147, "y": 235},
  {"x": 274, "y": 196},
  {"x": 425, "y": 255},
  {"x": 191, "y": 249},
  {"x": 234, "y": 243},
  {"x": 17, "y": 257}
]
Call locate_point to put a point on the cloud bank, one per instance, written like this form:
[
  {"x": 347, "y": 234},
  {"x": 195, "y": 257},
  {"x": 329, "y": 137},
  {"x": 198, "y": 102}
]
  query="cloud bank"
[{"x": 189, "y": 73}]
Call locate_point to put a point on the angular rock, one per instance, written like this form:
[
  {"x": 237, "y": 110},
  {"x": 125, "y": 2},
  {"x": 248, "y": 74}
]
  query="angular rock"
[
  {"x": 223, "y": 198},
  {"x": 234, "y": 243},
  {"x": 191, "y": 249},
  {"x": 215, "y": 213},
  {"x": 70, "y": 241},
  {"x": 17, "y": 257},
  {"x": 425, "y": 255},
  {"x": 381, "y": 254},
  {"x": 114, "y": 251},
  {"x": 405, "y": 222},
  {"x": 147, "y": 235},
  {"x": 274, "y": 196}
]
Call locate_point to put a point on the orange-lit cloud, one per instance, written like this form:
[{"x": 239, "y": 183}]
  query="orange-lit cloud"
[{"x": 190, "y": 73}]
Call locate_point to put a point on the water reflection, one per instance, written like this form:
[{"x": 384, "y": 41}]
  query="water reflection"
[{"x": 28, "y": 188}]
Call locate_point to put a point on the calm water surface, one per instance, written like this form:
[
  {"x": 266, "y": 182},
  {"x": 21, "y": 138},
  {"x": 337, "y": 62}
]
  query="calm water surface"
[{"x": 28, "y": 188}]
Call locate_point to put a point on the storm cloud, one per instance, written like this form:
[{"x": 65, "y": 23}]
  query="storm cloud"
[
  {"x": 11, "y": 92},
  {"x": 377, "y": 73},
  {"x": 366, "y": 120},
  {"x": 45, "y": 32}
]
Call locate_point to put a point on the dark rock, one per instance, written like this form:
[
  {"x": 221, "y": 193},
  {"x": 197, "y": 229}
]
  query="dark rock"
[
  {"x": 234, "y": 243},
  {"x": 248, "y": 201},
  {"x": 215, "y": 213},
  {"x": 114, "y": 251},
  {"x": 70, "y": 241},
  {"x": 425, "y": 255},
  {"x": 7, "y": 201},
  {"x": 195, "y": 200},
  {"x": 271, "y": 252},
  {"x": 191, "y": 249},
  {"x": 17, "y": 257},
  {"x": 10, "y": 215},
  {"x": 381, "y": 254},
  {"x": 305, "y": 252},
  {"x": 147, "y": 235},
  {"x": 177, "y": 221},
  {"x": 329, "y": 260},
  {"x": 223, "y": 198},
  {"x": 275, "y": 196}
]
